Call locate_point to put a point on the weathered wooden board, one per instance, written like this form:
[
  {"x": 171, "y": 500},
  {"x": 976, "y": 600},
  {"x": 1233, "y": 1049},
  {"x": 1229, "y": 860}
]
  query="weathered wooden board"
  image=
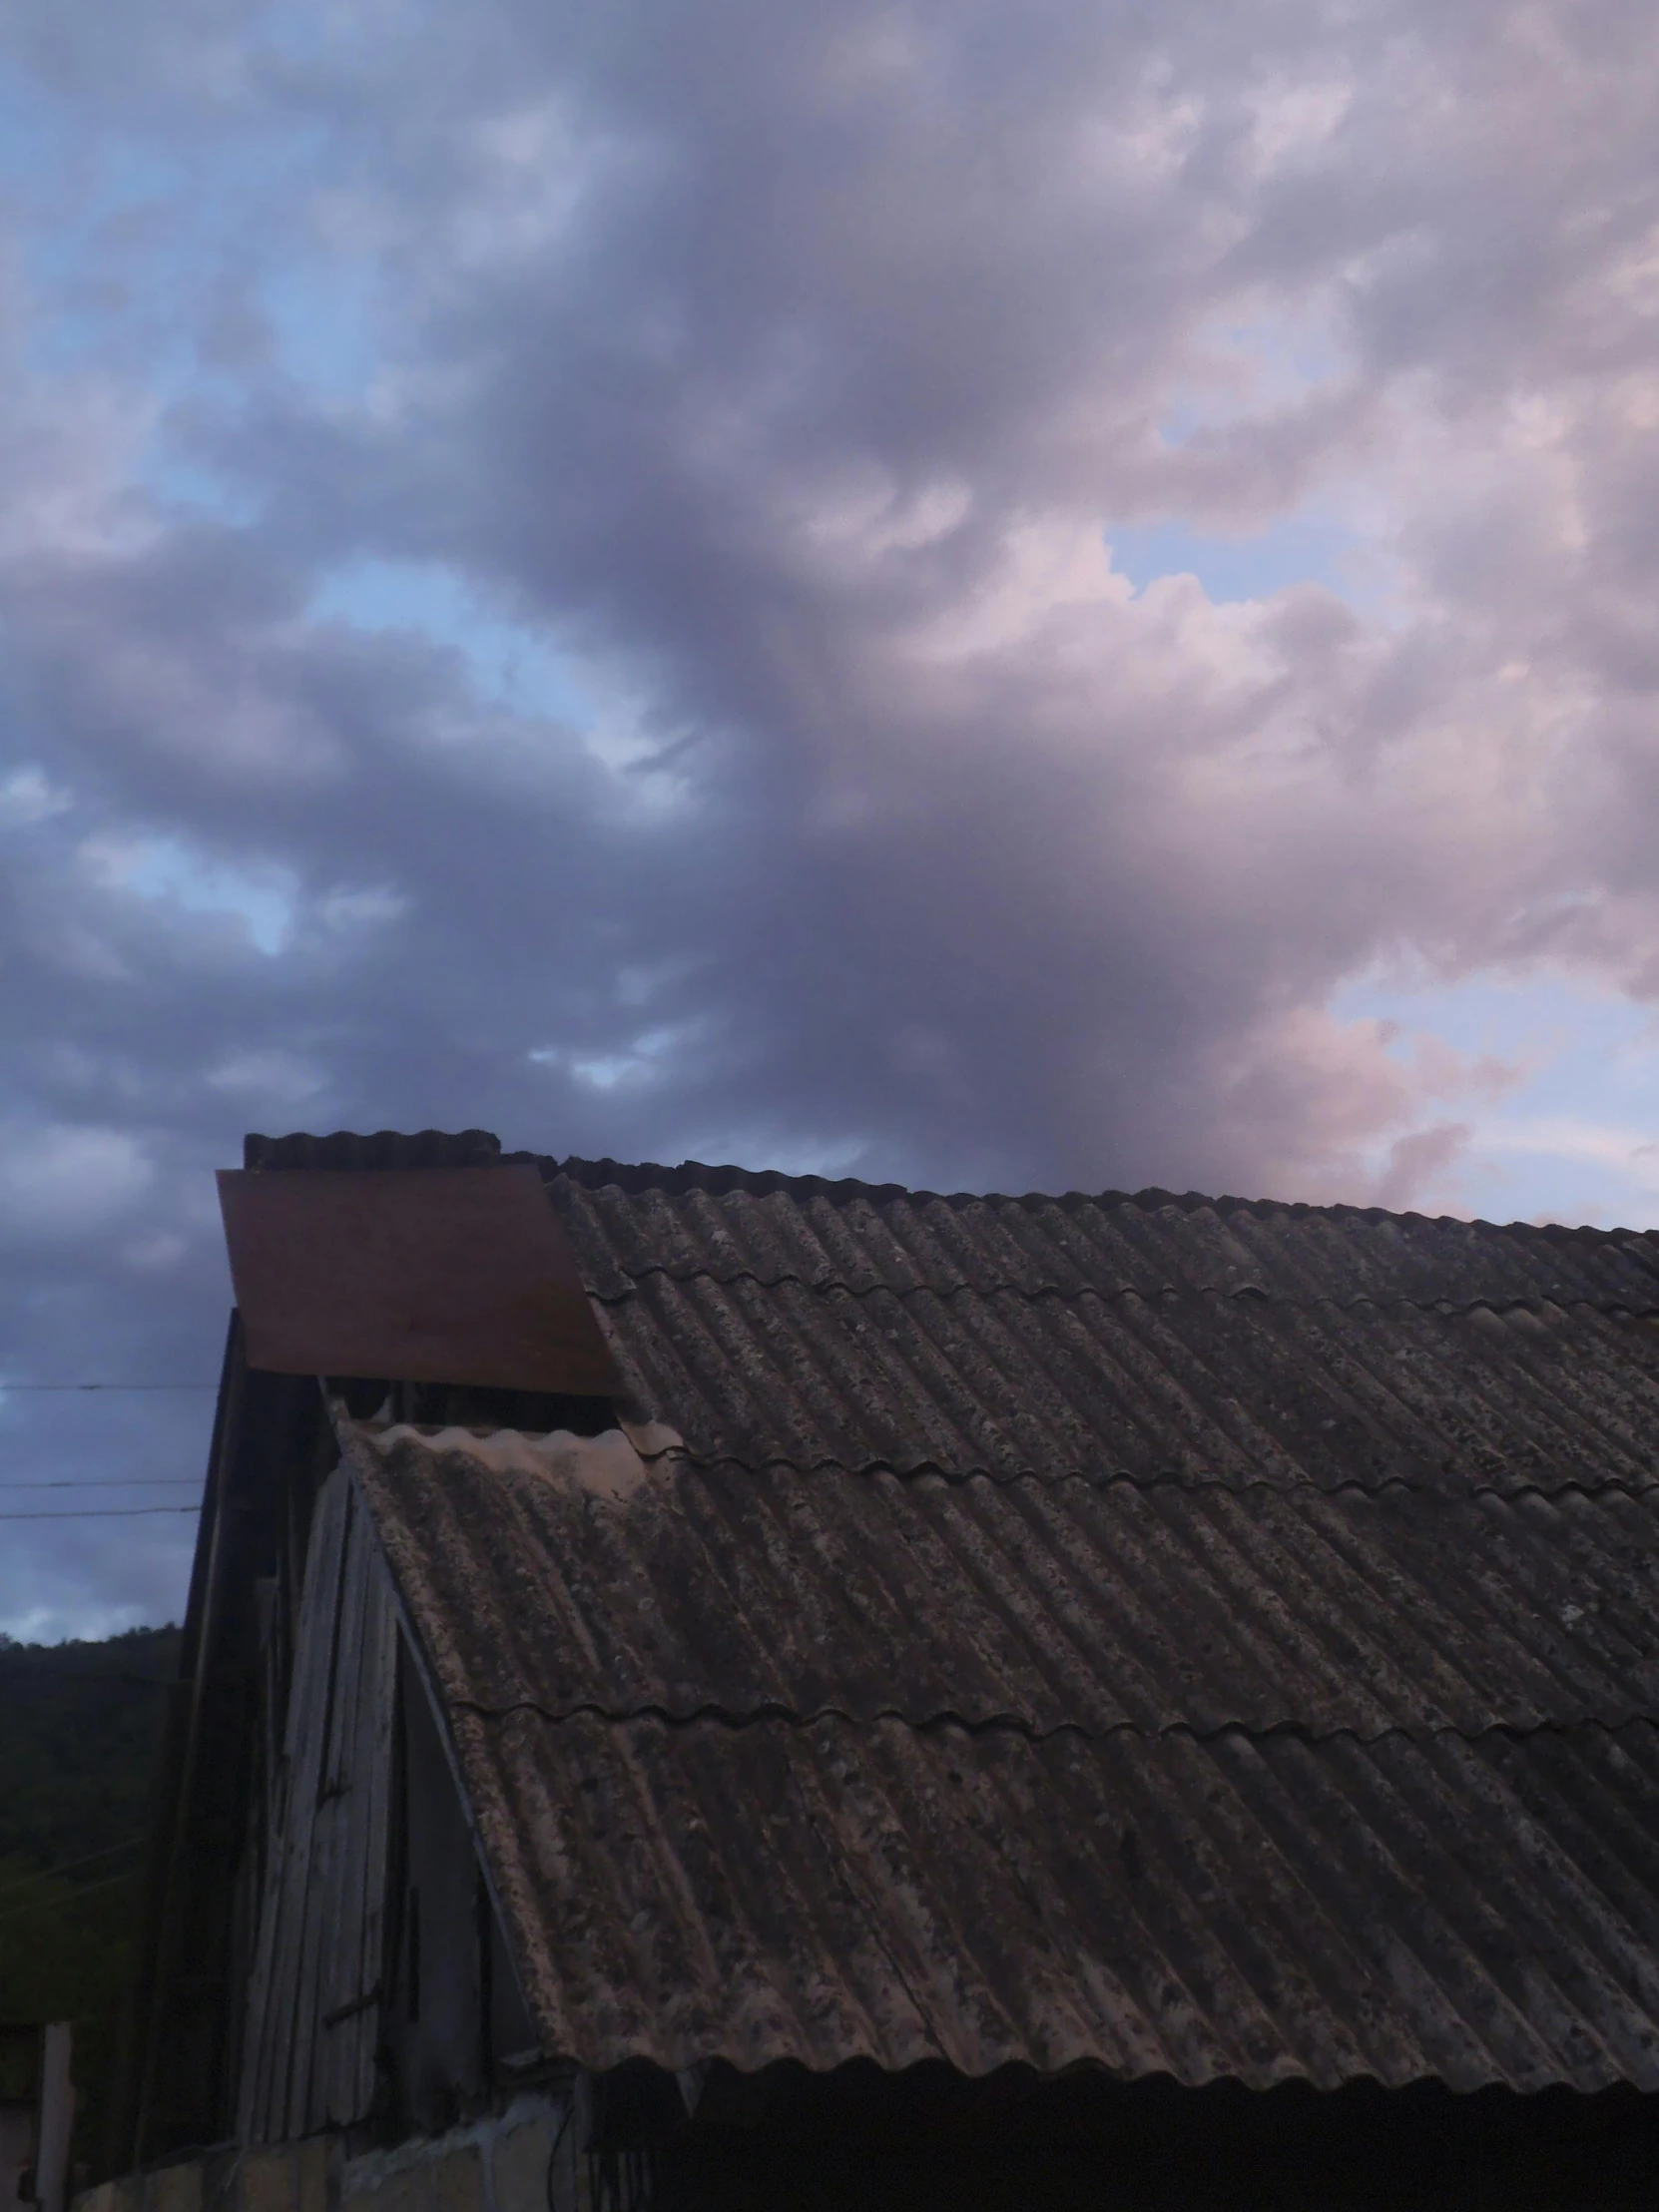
[{"x": 314, "y": 1997}]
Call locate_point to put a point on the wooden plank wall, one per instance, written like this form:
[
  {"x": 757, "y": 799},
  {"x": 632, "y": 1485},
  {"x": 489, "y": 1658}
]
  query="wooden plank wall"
[{"x": 316, "y": 1993}]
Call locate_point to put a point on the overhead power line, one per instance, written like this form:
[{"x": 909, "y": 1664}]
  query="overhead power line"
[
  {"x": 100, "y": 1512},
  {"x": 27, "y": 1675},
  {"x": 4, "y": 1386},
  {"x": 69, "y": 1866},
  {"x": 68, "y": 1897},
  {"x": 101, "y": 1483}
]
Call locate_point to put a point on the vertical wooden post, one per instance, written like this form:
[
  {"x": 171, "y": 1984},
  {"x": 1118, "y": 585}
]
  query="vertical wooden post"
[{"x": 56, "y": 2117}]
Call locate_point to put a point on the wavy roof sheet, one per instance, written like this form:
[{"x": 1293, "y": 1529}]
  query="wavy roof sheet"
[
  {"x": 724, "y": 1224},
  {"x": 1110, "y": 1337},
  {"x": 1251, "y": 1905},
  {"x": 1212, "y": 1639},
  {"x": 1053, "y": 1607}
]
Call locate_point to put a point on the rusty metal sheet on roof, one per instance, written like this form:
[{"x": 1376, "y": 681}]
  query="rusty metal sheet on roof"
[
  {"x": 688, "y": 1590},
  {"x": 424, "y": 1274},
  {"x": 1258, "y": 1907}
]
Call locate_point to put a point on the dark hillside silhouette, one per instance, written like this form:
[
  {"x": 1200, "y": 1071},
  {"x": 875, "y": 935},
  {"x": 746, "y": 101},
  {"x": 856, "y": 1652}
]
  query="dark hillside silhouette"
[{"x": 79, "y": 1725}]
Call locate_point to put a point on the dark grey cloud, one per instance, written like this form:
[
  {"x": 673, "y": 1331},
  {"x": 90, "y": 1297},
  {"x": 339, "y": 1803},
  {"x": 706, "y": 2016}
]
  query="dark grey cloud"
[{"x": 784, "y": 373}]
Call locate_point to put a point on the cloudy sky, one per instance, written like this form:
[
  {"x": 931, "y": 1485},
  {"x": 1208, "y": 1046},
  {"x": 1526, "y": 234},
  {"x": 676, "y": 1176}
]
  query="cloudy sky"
[{"x": 1054, "y": 596}]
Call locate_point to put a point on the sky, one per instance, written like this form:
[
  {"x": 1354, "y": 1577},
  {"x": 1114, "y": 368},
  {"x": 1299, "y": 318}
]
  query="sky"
[{"x": 1059, "y": 597}]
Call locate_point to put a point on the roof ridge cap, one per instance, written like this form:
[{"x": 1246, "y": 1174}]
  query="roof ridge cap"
[
  {"x": 343, "y": 1148},
  {"x": 723, "y": 1179}
]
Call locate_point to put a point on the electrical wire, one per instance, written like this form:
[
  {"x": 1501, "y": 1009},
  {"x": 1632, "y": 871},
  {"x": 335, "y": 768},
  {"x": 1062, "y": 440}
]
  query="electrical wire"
[
  {"x": 100, "y": 1512},
  {"x": 31, "y": 1672},
  {"x": 69, "y": 1866},
  {"x": 68, "y": 1897},
  {"x": 102, "y": 1482}
]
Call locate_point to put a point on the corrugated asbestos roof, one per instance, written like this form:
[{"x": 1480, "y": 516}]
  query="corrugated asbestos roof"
[
  {"x": 1208, "y": 1639},
  {"x": 725, "y": 1225},
  {"x": 1250, "y": 1906},
  {"x": 1106, "y": 1337},
  {"x": 1051, "y": 1606},
  {"x": 1193, "y": 1389}
]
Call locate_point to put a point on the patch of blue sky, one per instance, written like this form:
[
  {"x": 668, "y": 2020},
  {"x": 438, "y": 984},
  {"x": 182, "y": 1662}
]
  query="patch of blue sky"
[
  {"x": 108, "y": 282},
  {"x": 77, "y": 278},
  {"x": 1299, "y": 550},
  {"x": 168, "y": 868},
  {"x": 1575, "y": 1136},
  {"x": 645, "y": 1059},
  {"x": 28, "y": 130},
  {"x": 507, "y": 660},
  {"x": 323, "y": 337},
  {"x": 1263, "y": 363},
  {"x": 191, "y": 488},
  {"x": 295, "y": 33},
  {"x": 322, "y": 317}
]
